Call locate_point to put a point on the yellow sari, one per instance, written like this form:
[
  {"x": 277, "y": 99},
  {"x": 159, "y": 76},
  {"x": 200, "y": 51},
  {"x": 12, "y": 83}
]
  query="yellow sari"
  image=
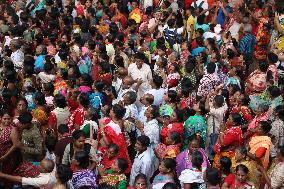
[
  {"x": 261, "y": 141},
  {"x": 254, "y": 175}
]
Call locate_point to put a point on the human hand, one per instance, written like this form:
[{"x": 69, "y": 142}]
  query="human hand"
[{"x": 139, "y": 125}]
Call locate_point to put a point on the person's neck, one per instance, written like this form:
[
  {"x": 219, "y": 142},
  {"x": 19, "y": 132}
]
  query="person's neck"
[
  {"x": 141, "y": 152},
  {"x": 149, "y": 119}
]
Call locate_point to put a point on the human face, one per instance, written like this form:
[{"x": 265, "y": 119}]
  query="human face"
[
  {"x": 111, "y": 153},
  {"x": 241, "y": 176},
  {"x": 140, "y": 184},
  {"x": 6, "y": 120},
  {"x": 21, "y": 106},
  {"x": 139, "y": 63},
  {"x": 115, "y": 168},
  {"x": 162, "y": 168},
  {"x": 88, "y": 4},
  {"x": 64, "y": 38},
  {"x": 138, "y": 147},
  {"x": 238, "y": 155},
  {"x": 193, "y": 146},
  {"x": 148, "y": 112},
  {"x": 196, "y": 107},
  {"x": 174, "y": 117},
  {"x": 79, "y": 143}
]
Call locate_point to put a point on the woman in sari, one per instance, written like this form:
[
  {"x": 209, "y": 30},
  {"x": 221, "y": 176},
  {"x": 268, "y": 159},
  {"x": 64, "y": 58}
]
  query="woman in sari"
[
  {"x": 175, "y": 125},
  {"x": 9, "y": 140},
  {"x": 241, "y": 157},
  {"x": 229, "y": 139},
  {"x": 21, "y": 107},
  {"x": 111, "y": 132},
  {"x": 78, "y": 117},
  {"x": 195, "y": 126},
  {"x": 256, "y": 82},
  {"x": 242, "y": 106},
  {"x": 169, "y": 149},
  {"x": 184, "y": 159},
  {"x": 260, "y": 144},
  {"x": 83, "y": 176},
  {"x": 40, "y": 112},
  {"x": 171, "y": 99},
  {"x": 262, "y": 114},
  {"x": 115, "y": 176}
]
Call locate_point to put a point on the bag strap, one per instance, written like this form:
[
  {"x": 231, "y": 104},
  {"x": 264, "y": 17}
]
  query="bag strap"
[{"x": 214, "y": 126}]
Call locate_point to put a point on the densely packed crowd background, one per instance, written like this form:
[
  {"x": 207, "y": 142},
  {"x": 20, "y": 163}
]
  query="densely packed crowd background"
[{"x": 149, "y": 94}]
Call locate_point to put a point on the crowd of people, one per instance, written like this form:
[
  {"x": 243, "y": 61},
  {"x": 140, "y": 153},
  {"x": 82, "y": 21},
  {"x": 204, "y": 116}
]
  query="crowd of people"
[{"x": 160, "y": 94}]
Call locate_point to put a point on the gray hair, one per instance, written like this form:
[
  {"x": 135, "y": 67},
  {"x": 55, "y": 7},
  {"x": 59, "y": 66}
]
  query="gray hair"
[{"x": 247, "y": 28}]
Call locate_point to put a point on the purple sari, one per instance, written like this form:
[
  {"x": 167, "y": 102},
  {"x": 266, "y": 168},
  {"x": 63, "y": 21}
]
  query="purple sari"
[{"x": 184, "y": 163}]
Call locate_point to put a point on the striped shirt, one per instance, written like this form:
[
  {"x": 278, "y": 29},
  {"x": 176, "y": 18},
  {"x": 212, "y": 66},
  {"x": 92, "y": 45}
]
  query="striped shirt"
[{"x": 247, "y": 44}]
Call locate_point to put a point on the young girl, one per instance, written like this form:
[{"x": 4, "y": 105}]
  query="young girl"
[
  {"x": 239, "y": 180},
  {"x": 171, "y": 148},
  {"x": 166, "y": 175},
  {"x": 90, "y": 125}
]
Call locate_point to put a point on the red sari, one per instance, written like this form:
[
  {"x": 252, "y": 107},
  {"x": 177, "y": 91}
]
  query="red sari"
[
  {"x": 232, "y": 137},
  {"x": 114, "y": 135},
  {"x": 177, "y": 127},
  {"x": 244, "y": 111},
  {"x": 77, "y": 118}
]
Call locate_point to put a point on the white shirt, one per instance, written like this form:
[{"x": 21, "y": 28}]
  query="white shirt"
[
  {"x": 151, "y": 129},
  {"x": 46, "y": 78},
  {"x": 216, "y": 116},
  {"x": 43, "y": 181},
  {"x": 131, "y": 111},
  {"x": 141, "y": 115},
  {"x": 147, "y": 3},
  {"x": 17, "y": 58},
  {"x": 144, "y": 73},
  {"x": 179, "y": 30},
  {"x": 158, "y": 95},
  {"x": 143, "y": 163}
]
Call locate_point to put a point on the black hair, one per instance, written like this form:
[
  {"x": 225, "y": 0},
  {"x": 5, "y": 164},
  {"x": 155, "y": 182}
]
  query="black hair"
[
  {"x": 242, "y": 168},
  {"x": 48, "y": 67},
  {"x": 82, "y": 158},
  {"x": 50, "y": 143},
  {"x": 155, "y": 111},
  {"x": 157, "y": 80},
  {"x": 170, "y": 164},
  {"x": 119, "y": 61},
  {"x": 170, "y": 185},
  {"x": 200, "y": 19},
  {"x": 140, "y": 56},
  {"x": 86, "y": 79},
  {"x": 197, "y": 159},
  {"x": 40, "y": 98},
  {"x": 226, "y": 164},
  {"x": 173, "y": 96},
  {"x": 122, "y": 164},
  {"x": 144, "y": 140},
  {"x": 265, "y": 126},
  {"x": 219, "y": 100},
  {"x": 119, "y": 111},
  {"x": 78, "y": 134},
  {"x": 113, "y": 146},
  {"x": 28, "y": 70},
  {"x": 101, "y": 186},
  {"x": 242, "y": 150},
  {"x": 49, "y": 87},
  {"x": 132, "y": 96},
  {"x": 274, "y": 91},
  {"x": 180, "y": 115},
  {"x": 212, "y": 176},
  {"x": 22, "y": 99},
  {"x": 149, "y": 99},
  {"x": 263, "y": 66},
  {"x": 175, "y": 136},
  {"x": 25, "y": 118},
  {"x": 84, "y": 100},
  {"x": 211, "y": 67},
  {"x": 201, "y": 31},
  {"x": 62, "y": 129},
  {"x": 199, "y": 40},
  {"x": 60, "y": 101},
  {"x": 272, "y": 57},
  {"x": 64, "y": 74},
  {"x": 246, "y": 100},
  {"x": 99, "y": 85},
  {"x": 202, "y": 107},
  {"x": 64, "y": 173},
  {"x": 237, "y": 118}
]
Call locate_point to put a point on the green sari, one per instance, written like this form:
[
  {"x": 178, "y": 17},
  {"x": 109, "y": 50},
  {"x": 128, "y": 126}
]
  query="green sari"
[{"x": 194, "y": 126}]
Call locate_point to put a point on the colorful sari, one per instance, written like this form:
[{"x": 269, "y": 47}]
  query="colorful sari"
[
  {"x": 166, "y": 110},
  {"x": 77, "y": 119},
  {"x": 114, "y": 135},
  {"x": 116, "y": 181},
  {"x": 244, "y": 111},
  {"x": 41, "y": 116},
  {"x": 262, "y": 39},
  {"x": 194, "y": 126},
  {"x": 232, "y": 138},
  {"x": 184, "y": 162},
  {"x": 173, "y": 127},
  {"x": 254, "y": 175},
  {"x": 257, "y": 142},
  {"x": 257, "y": 80},
  {"x": 164, "y": 151},
  {"x": 160, "y": 180},
  {"x": 84, "y": 178}
]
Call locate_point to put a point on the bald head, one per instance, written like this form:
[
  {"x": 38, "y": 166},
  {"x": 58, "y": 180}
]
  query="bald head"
[
  {"x": 47, "y": 165},
  {"x": 147, "y": 99},
  {"x": 122, "y": 72}
]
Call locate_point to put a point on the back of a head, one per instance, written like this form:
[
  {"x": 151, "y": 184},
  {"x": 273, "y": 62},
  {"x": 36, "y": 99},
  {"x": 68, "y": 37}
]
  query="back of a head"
[
  {"x": 48, "y": 165},
  {"x": 197, "y": 159},
  {"x": 62, "y": 129},
  {"x": 170, "y": 185},
  {"x": 211, "y": 68},
  {"x": 25, "y": 118},
  {"x": 212, "y": 176},
  {"x": 82, "y": 159},
  {"x": 64, "y": 173},
  {"x": 144, "y": 140}
]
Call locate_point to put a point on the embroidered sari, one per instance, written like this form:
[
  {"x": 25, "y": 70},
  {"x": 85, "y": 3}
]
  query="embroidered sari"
[
  {"x": 117, "y": 181},
  {"x": 77, "y": 119},
  {"x": 257, "y": 80},
  {"x": 164, "y": 151}
]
